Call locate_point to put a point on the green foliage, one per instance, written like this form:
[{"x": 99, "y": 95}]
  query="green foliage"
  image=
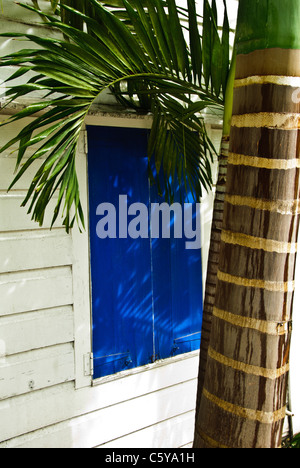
[
  {"x": 296, "y": 441},
  {"x": 137, "y": 49},
  {"x": 288, "y": 442}
]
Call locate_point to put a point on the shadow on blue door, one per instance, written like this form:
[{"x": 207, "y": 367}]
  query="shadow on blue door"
[{"x": 146, "y": 292}]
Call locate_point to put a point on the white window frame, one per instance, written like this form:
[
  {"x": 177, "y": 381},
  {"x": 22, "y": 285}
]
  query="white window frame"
[
  {"x": 81, "y": 256},
  {"x": 81, "y": 250}
]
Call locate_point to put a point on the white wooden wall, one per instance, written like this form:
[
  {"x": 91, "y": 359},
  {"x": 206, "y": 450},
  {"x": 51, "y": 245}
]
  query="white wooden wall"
[{"x": 46, "y": 400}]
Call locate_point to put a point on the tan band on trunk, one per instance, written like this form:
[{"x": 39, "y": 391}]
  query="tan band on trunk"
[
  {"x": 263, "y": 163},
  {"x": 285, "y": 207},
  {"x": 262, "y": 326},
  {"x": 268, "y": 245},
  {"x": 271, "y": 374},
  {"x": 267, "y": 119},
  {"x": 211, "y": 442},
  {"x": 273, "y": 286},
  {"x": 246, "y": 413},
  {"x": 293, "y": 81}
]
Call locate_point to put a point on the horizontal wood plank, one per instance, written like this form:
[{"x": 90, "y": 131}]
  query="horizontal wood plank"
[
  {"x": 33, "y": 330},
  {"x": 95, "y": 428},
  {"x": 26, "y": 372},
  {"x": 36, "y": 289},
  {"x": 7, "y": 174},
  {"x": 50, "y": 406},
  {"x": 15, "y": 218},
  {"x": 170, "y": 433},
  {"x": 34, "y": 250}
]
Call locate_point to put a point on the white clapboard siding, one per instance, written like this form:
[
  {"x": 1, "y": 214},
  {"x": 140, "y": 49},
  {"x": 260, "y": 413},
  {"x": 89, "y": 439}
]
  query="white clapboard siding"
[
  {"x": 34, "y": 290},
  {"x": 172, "y": 433},
  {"x": 36, "y": 369},
  {"x": 14, "y": 218},
  {"x": 50, "y": 406},
  {"x": 46, "y": 396},
  {"x": 7, "y": 174},
  {"x": 34, "y": 330},
  {"x": 95, "y": 428},
  {"x": 9, "y": 156},
  {"x": 36, "y": 249}
]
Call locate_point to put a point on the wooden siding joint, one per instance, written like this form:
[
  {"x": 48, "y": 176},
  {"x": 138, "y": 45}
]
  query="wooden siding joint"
[
  {"x": 88, "y": 361},
  {"x": 86, "y": 147}
]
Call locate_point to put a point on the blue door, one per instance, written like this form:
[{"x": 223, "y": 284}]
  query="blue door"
[{"x": 146, "y": 292}]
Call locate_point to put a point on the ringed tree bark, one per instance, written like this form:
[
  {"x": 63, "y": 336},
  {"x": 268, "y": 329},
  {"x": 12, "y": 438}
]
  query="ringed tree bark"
[
  {"x": 216, "y": 229},
  {"x": 243, "y": 402}
]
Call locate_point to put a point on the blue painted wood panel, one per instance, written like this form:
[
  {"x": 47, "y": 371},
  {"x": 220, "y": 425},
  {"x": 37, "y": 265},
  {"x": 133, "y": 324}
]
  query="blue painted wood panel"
[
  {"x": 146, "y": 293},
  {"x": 177, "y": 290}
]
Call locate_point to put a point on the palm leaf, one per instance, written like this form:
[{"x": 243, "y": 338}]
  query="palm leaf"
[
  {"x": 175, "y": 146},
  {"x": 195, "y": 42},
  {"x": 139, "y": 44},
  {"x": 225, "y": 49}
]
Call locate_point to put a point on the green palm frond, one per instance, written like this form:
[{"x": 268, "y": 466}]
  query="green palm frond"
[{"x": 143, "y": 57}]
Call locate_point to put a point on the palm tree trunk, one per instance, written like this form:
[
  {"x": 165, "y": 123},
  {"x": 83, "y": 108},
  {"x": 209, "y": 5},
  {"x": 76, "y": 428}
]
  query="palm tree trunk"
[
  {"x": 212, "y": 264},
  {"x": 243, "y": 400},
  {"x": 215, "y": 237}
]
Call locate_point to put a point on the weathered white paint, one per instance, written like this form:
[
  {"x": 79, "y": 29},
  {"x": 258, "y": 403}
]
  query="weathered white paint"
[
  {"x": 60, "y": 416},
  {"x": 38, "y": 329},
  {"x": 50, "y": 249},
  {"x": 35, "y": 289},
  {"x": 33, "y": 370},
  {"x": 157, "y": 435}
]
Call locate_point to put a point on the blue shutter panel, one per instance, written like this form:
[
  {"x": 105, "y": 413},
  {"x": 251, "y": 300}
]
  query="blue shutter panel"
[
  {"x": 177, "y": 291},
  {"x": 146, "y": 293},
  {"x": 120, "y": 268}
]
